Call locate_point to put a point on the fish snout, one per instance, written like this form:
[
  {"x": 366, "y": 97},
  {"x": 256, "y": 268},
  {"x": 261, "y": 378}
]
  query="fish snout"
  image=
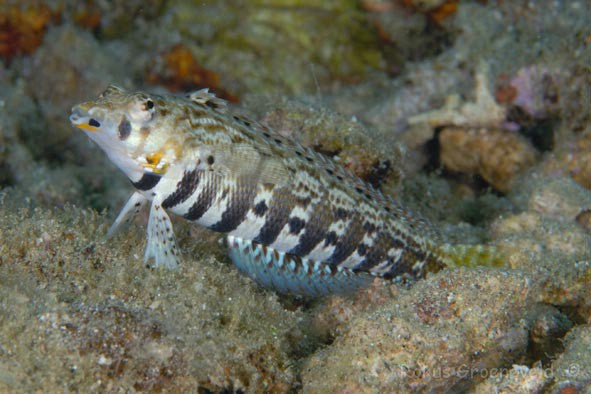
[
  {"x": 77, "y": 113},
  {"x": 80, "y": 118}
]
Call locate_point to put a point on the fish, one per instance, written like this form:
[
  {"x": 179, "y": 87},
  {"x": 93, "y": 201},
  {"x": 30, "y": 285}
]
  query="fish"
[{"x": 295, "y": 220}]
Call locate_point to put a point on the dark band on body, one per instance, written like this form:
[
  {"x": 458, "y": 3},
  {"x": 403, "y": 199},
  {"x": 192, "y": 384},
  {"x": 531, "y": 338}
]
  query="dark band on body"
[
  {"x": 240, "y": 200},
  {"x": 204, "y": 200},
  {"x": 147, "y": 182},
  {"x": 315, "y": 230},
  {"x": 279, "y": 209},
  {"x": 184, "y": 189},
  {"x": 376, "y": 253},
  {"x": 348, "y": 242}
]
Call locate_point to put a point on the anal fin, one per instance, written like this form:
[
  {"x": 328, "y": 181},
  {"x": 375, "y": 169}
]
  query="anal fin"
[{"x": 291, "y": 274}]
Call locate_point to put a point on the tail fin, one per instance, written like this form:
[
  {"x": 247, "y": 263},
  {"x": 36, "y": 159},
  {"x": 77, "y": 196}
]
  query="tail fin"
[{"x": 473, "y": 255}]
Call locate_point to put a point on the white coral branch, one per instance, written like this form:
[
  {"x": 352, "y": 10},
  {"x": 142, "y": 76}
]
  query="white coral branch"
[{"x": 483, "y": 112}]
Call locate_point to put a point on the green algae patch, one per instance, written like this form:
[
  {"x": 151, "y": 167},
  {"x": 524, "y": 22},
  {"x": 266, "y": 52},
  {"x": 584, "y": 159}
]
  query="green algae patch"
[{"x": 278, "y": 45}]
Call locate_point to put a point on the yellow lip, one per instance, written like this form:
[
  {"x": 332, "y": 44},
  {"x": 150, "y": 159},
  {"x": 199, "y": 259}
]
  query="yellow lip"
[{"x": 86, "y": 126}]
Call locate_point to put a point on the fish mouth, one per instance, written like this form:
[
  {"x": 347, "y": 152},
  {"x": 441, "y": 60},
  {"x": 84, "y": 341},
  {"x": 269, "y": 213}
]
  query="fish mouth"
[{"x": 81, "y": 119}]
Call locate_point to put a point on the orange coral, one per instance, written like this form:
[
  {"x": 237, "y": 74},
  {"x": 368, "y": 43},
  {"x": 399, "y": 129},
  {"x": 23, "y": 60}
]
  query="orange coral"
[
  {"x": 88, "y": 18},
  {"x": 376, "y": 6},
  {"x": 181, "y": 72},
  {"x": 437, "y": 11},
  {"x": 505, "y": 93},
  {"x": 445, "y": 10},
  {"x": 22, "y": 30}
]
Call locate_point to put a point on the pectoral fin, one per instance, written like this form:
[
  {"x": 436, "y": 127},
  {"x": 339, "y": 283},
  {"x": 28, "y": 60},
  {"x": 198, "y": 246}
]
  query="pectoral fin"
[{"x": 131, "y": 208}]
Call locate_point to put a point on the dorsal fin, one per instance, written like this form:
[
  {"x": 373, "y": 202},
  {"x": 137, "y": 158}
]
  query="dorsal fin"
[
  {"x": 205, "y": 97},
  {"x": 311, "y": 157},
  {"x": 414, "y": 220},
  {"x": 112, "y": 88}
]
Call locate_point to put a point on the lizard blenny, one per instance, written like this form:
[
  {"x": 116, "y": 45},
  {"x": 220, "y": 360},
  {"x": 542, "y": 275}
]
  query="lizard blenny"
[{"x": 296, "y": 221}]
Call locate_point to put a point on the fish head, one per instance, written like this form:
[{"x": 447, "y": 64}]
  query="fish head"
[{"x": 130, "y": 128}]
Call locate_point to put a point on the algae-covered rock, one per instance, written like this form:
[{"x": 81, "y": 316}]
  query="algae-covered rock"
[
  {"x": 517, "y": 379},
  {"x": 574, "y": 157},
  {"x": 572, "y": 369},
  {"x": 440, "y": 334},
  {"x": 496, "y": 155},
  {"x": 80, "y": 315},
  {"x": 546, "y": 240},
  {"x": 113, "y": 19},
  {"x": 273, "y": 46}
]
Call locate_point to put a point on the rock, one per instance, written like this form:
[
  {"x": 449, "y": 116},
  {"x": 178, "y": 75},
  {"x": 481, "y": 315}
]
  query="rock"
[
  {"x": 496, "y": 155},
  {"x": 572, "y": 369},
  {"x": 439, "y": 335},
  {"x": 518, "y": 379}
]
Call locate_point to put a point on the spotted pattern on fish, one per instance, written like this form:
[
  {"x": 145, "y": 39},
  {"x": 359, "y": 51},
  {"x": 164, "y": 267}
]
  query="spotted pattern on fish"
[{"x": 195, "y": 158}]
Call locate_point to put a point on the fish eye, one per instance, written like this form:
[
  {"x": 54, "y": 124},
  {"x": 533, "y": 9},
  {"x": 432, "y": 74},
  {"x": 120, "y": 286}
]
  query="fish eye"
[
  {"x": 149, "y": 104},
  {"x": 93, "y": 122}
]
